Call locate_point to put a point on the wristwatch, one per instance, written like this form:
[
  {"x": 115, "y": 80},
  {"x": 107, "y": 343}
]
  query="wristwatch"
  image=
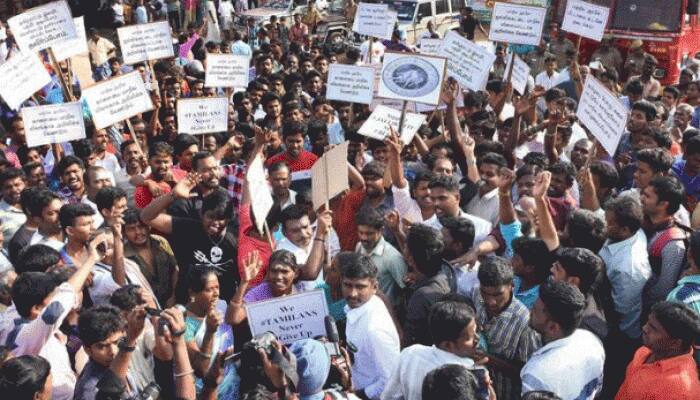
[{"x": 124, "y": 348}]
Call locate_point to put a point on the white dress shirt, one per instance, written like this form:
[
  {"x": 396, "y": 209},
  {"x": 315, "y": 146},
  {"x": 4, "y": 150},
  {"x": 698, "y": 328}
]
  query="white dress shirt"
[
  {"x": 486, "y": 206},
  {"x": 407, "y": 207},
  {"x": 546, "y": 81},
  {"x": 371, "y": 331},
  {"x": 302, "y": 254},
  {"x": 406, "y": 383},
  {"x": 482, "y": 227},
  {"x": 571, "y": 367}
]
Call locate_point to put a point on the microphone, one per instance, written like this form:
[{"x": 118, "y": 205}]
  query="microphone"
[{"x": 333, "y": 338}]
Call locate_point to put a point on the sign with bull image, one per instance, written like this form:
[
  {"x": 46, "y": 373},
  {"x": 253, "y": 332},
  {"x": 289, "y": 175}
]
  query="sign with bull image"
[{"x": 412, "y": 77}]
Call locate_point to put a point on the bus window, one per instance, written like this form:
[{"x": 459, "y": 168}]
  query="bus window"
[
  {"x": 456, "y": 5},
  {"x": 692, "y": 8},
  {"x": 424, "y": 10},
  {"x": 404, "y": 9},
  {"x": 441, "y": 7},
  {"x": 644, "y": 15}
]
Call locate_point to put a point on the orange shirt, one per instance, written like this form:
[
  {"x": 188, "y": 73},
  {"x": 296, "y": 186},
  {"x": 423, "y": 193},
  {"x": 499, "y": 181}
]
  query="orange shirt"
[
  {"x": 674, "y": 378},
  {"x": 143, "y": 196}
]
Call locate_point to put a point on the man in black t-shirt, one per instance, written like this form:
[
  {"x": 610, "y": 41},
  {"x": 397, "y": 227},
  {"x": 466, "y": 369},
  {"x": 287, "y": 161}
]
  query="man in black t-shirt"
[{"x": 468, "y": 23}]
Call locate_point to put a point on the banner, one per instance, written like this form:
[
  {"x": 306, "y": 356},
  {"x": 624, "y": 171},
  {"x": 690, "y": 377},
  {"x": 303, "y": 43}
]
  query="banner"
[
  {"x": 20, "y": 77},
  {"x": 350, "y": 83},
  {"x": 202, "y": 115},
  {"x": 584, "y": 19},
  {"x": 117, "y": 99},
  {"x": 521, "y": 73},
  {"x": 513, "y": 23},
  {"x": 226, "y": 70},
  {"x": 42, "y": 27},
  {"x": 328, "y": 177},
  {"x": 430, "y": 46},
  {"x": 143, "y": 42},
  {"x": 55, "y": 123},
  {"x": 374, "y": 20},
  {"x": 467, "y": 62},
  {"x": 377, "y": 125},
  {"x": 602, "y": 113},
  {"x": 414, "y": 77},
  {"x": 72, "y": 47},
  {"x": 290, "y": 318},
  {"x": 260, "y": 197}
]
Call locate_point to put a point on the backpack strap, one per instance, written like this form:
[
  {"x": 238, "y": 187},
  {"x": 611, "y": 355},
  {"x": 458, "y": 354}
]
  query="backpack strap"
[{"x": 670, "y": 234}]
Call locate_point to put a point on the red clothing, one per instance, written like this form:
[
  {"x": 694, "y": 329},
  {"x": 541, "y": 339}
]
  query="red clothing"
[
  {"x": 143, "y": 196},
  {"x": 344, "y": 219},
  {"x": 304, "y": 162},
  {"x": 560, "y": 208},
  {"x": 674, "y": 378},
  {"x": 248, "y": 244}
]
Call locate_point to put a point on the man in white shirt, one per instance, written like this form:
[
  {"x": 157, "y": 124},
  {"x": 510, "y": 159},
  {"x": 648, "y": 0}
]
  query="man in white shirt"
[
  {"x": 44, "y": 213},
  {"x": 370, "y": 331},
  {"x": 100, "y": 139},
  {"x": 413, "y": 204},
  {"x": 12, "y": 183},
  {"x": 570, "y": 363},
  {"x": 549, "y": 77},
  {"x": 453, "y": 328},
  {"x": 485, "y": 203},
  {"x": 377, "y": 51}
]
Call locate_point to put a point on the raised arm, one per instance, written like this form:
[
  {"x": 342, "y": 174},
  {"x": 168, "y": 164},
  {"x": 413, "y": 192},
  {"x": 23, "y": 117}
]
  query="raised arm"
[
  {"x": 118, "y": 269},
  {"x": 154, "y": 214},
  {"x": 463, "y": 147},
  {"x": 314, "y": 262},
  {"x": 135, "y": 324},
  {"x": 235, "y": 313},
  {"x": 221, "y": 152},
  {"x": 506, "y": 212},
  {"x": 548, "y": 232},
  {"x": 395, "y": 168},
  {"x": 77, "y": 280},
  {"x": 589, "y": 195}
]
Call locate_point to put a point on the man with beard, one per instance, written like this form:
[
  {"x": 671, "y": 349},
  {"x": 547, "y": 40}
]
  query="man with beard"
[
  {"x": 12, "y": 183},
  {"x": 299, "y": 160},
  {"x": 318, "y": 136},
  {"x": 272, "y": 105},
  {"x": 205, "y": 165},
  {"x": 244, "y": 107},
  {"x": 134, "y": 166},
  {"x": 160, "y": 159},
  {"x": 100, "y": 140},
  {"x": 278, "y": 176},
  {"x": 168, "y": 121},
  {"x": 43, "y": 211},
  {"x": 184, "y": 147},
  {"x": 642, "y": 115}
]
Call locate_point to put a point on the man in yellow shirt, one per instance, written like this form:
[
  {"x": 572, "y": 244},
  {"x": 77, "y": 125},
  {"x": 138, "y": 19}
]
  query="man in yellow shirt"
[{"x": 101, "y": 50}]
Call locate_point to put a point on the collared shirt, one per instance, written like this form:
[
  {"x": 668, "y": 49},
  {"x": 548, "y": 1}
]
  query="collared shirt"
[
  {"x": 162, "y": 268},
  {"x": 507, "y": 336},
  {"x": 406, "y": 206},
  {"x": 12, "y": 219},
  {"x": 482, "y": 227},
  {"x": 485, "y": 207},
  {"x": 390, "y": 265},
  {"x": 234, "y": 175},
  {"x": 371, "y": 331},
  {"x": 406, "y": 383},
  {"x": 571, "y": 367},
  {"x": 628, "y": 269},
  {"x": 674, "y": 378},
  {"x": 241, "y": 48},
  {"x": 426, "y": 293},
  {"x": 545, "y": 80},
  {"x": 100, "y": 50}
]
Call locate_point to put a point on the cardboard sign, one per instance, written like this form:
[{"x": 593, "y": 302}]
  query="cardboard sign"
[
  {"x": 350, "y": 83},
  {"x": 72, "y": 47},
  {"x": 42, "y": 27},
  {"x": 20, "y": 77},
  {"x": 602, "y": 113},
  {"x": 117, "y": 99},
  {"x": 261, "y": 199},
  {"x": 377, "y": 125},
  {"x": 202, "y": 115},
  {"x": 467, "y": 62},
  {"x": 226, "y": 70},
  {"x": 521, "y": 72},
  {"x": 430, "y": 46},
  {"x": 513, "y": 23},
  {"x": 413, "y": 77},
  {"x": 374, "y": 20},
  {"x": 290, "y": 318},
  {"x": 328, "y": 177},
  {"x": 143, "y": 42},
  {"x": 55, "y": 123},
  {"x": 584, "y": 19}
]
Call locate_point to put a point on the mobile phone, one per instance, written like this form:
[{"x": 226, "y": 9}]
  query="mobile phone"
[
  {"x": 153, "y": 312},
  {"x": 480, "y": 375}
]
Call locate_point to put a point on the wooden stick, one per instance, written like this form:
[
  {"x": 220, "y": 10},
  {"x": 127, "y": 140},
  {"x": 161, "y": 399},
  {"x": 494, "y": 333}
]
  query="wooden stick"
[
  {"x": 268, "y": 234},
  {"x": 578, "y": 47},
  {"x": 153, "y": 77},
  {"x": 59, "y": 73},
  {"x": 403, "y": 116}
]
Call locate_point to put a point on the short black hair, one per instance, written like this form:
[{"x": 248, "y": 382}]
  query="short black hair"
[
  {"x": 316, "y": 128},
  {"x": 659, "y": 160},
  {"x": 628, "y": 212},
  {"x": 679, "y": 321},
  {"x": 534, "y": 252},
  {"x": 126, "y": 297},
  {"x": 66, "y": 162},
  {"x": 200, "y": 155},
  {"x": 197, "y": 276},
  {"x": 461, "y": 229},
  {"x": 426, "y": 245},
  {"x": 107, "y": 196},
  {"x": 647, "y": 108},
  {"x": 182, "y": 142},
  {"x": 35, "y": 199},
  {"x": 669, "y": 189},
  {"x": 371, "y": 217},
  {"x": 586, "y": 229},
  {"x": 24, "y": 376},
  {"x": 11, "y": 173},
  {"x": 583, "y": 264},
  {"x": 99, "y": 323},
  {"x": 357, "y": 266},
  {"x": 448, "y": 319},
  {"x": 36, "y": 258},
  {"x": 284, "y": 257},
  {"x": 493, "y": 158},
  {"x": 449, "y": 183},
  {"x": 31, "y": 289},
  {"x": 132, "y": 216},
  {"x": 565, "y": 168},
  {"x": 540, "y": 395},
  {"x": 564, "y": 304},
  {"x": 70, "y": 212},
  {"x": 607, "y": 174},
  {"x": 692, "y": 146},
  {"x": 218, "y": 205},
  {"x": 673, "y": 91},
  {"x": 450, "y": 382},
  {"x": 292, "y": 128},
  {"x": 494, "y": 272},
  {"x": 292, "y": 213},
  {"x": 160, "y": 148}
]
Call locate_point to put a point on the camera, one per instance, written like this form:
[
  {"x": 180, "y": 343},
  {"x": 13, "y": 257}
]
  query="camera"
[
  {"x": 262, "y": 341},
  {"x": 150, "y": 392}
]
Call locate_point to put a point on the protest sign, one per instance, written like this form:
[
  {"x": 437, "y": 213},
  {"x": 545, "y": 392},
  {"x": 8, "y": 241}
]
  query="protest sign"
[
  {"x": 202, "y": 115},
  {"x": 260, "y": 197},
  {"x": 413, "y": 77},
  {"x": 350, "y": 83},
  {"x": 72, "y": 47},
  {"x": 602, "y": 113},
  {"x": 143, "y": 42},
  {"x": 584, "y": 19},
  {"x": 20, "y": 77},
  {"x": 226, "y": 70},
  {"x": 521, "y": 72},
  {"x": 328, "y": 177},
  {"x": 467, "y": 62},
  {"x": 377, "y": 125},
  {"x": 430, "y": 46},
  {"x": 290, "y": 318},
  {"x": 42, "y": 27},
  {"x": 373, "y": 20},
  {"x": 518, "y": 24},
  {"x": 117, "y": 99},
  {"x": 53, "y": 123},
  {"x": 393, "y": 103}
]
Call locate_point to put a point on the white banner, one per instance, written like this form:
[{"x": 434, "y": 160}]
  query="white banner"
[
  {"x": 290, "y": 318},
  {"x": 374, "y": 20},
  {"x": 350, "y": 83},
  {"x": 20, "y": 77},
  {"x": 584, "y": 19},
  {"x": 377, "y": 125},
  {"x": 260, "y": 197},
  {"x": 467, "y": 62},
  {"x": 430, "y": 46},
  {"x": 602, "y": 113},
  {"x": 72, "y": 47},
  {"x": 202, "y": 115},
  {"x": 143, "y": 42},
  {"x": 226, "y": 70},
  {"x": 117, "y": 99},
  {"x": 412, "y": 77},
  {"x": 521, "y": 72},
  {"x": 518, "y": 24},
  {"x": 42, "y": 27},
  {"x": 55, "y": 123}
]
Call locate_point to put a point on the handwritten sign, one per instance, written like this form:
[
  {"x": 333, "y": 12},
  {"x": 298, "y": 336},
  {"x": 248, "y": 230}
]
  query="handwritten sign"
[
  {"x": 467, "y": 62},
  {"x": 430, "y": 46},
  {"x": 290, "y": 318},
  {"x": 53, "y": 123},
  {"x": 20, "y": 77},
  {"x": 413, "y": 77},
  {"x": 377, "y": 125},
  {"x": 602, "y": 113},
  {"x": 328, "y": 177},
  {"x": 202, "y": 115},
  {"x": 226, "y": 70},
  {"x": 143, "y": 42},
  {"x": 43, "y": 26},
  {"x": 72, "y": 47},
  {"x": 350, "y": 83},
  {"x": 584, "y": 19},
  {"x": 521, "y": 72},
  {"x": 373, "y": 20},
  {"x": 513, "y": 23},
  {"x": 117, "y": 99}
]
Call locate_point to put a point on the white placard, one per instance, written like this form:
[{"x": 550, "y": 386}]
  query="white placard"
[
  {"x": 290, "y": 318},
  {"x": 328, "y": 178},
  {"x": 350, "y": 83},
  {"x": 374, "y": 20},
  {"x": 42, "y": 27},
  {"x": 521, "y": 72},
  {"x": 467, "y": 62},
  {"x": 260, "y": 197},
  {"x": 143, "y": 42},
  {"x": 412, "y": 77},
  {"x": 72, "y": 47},
  {"x": 226, "y": 70},
  {"x": 584, "y": 19},
  {"x": 430, "y": 46},
  {"x": 117, "y": 99},
  {"x": 55, "y": 123},
  {"x": 602, "y": 113},
  {"x": 377, "y": 125},
  {"x": 518, "y": 24},
  {"x": 20, "y": 77},
  {"x": 202, "y": 115}
]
